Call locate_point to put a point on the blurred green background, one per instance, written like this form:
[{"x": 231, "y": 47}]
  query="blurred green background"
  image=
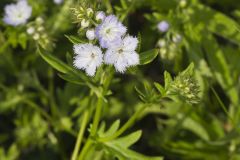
[{"x": 40, "y": 113}]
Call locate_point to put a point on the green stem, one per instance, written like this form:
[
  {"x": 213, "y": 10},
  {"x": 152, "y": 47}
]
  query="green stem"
[
  {"x": 85, "y": 149},
  {"x": 127, "y": 125},
  {"x": 97, "y": 116},
  {"x": 80, "y": 136}
]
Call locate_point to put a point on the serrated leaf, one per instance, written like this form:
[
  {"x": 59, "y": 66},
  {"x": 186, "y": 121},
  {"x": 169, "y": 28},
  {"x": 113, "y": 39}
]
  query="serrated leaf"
[{"x": 148, "y": 56}]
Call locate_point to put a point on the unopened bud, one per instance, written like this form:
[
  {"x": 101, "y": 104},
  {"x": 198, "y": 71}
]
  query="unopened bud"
[
  {"x": 89, "y": 12},
  {"x": 90, "y": 34},
  {"x": 84, "y": 23},
  {"x": 163, "y": 26},
  {"x": 30, "y": 30},
  {"x": 100, "y": 16}
]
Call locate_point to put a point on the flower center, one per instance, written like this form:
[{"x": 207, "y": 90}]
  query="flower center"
[
  {"x": 93, "y": 56},
  {"x": 19, "y": 15},
  {"x": 120, "y": 51},
  {"x": 108, "y": 31}
]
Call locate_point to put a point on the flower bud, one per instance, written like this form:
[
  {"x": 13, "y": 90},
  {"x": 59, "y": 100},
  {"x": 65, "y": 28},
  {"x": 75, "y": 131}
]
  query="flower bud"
[
  {"x": 90, "y": 34},
  {"x": 57, "y": 1},
  {"x": 163, "y": 26},
  {"x": 41, "y": 28},
  {"x": 85, "y": 23},
  {"x": 161, "y": 43},
  {"x": 30, "y": 30},
  {"x": 177, "y": 38},
  {"x": 39, "y": 20},
  {"x": 183, "y": 3},
  {"x": 89, "y": 12},
  {"x": 100, "y": 16},
  {"x": 36, "y": 36}
]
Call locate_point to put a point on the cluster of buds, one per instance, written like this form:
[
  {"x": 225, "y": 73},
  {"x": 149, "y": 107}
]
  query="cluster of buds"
[
  {"x": 169, "y": 47},
  {"x": 88, "y": 20},
  {"x": 186, "y": 87},
  {"x": 86, "y": 16},
  {"x": 38, "y": 33}
]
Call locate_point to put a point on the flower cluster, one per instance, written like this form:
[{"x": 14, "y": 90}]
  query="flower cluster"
[
  {"x": 169, "y": 44},
  {"x": 17, "y": 14},
  {"x": 111, "y": 36},
  {"x": 37, "y": 32}
]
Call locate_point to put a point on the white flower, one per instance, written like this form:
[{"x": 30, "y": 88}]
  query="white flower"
[
  {"x": 110, "y": 31},
  {"x": 123, "y": 55},
  {"x": 16, "y": 14},
  {"x": 100, "y": 16},
  {"x": 163, "y": 26},
  {"x": 57, "y": 1},
  {"x": 88, "y": 57},
  {"x": 90, "y": 34}
]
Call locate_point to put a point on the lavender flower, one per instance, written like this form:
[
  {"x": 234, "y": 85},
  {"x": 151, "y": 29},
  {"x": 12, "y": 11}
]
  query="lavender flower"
[
  {"x": 88, "y": 57},
  {"x": 163, "y": 26},
  {"x": 110, "y": 31},
  {"x": 17, "y": 14},
  {"x": 123, "y": 55}
]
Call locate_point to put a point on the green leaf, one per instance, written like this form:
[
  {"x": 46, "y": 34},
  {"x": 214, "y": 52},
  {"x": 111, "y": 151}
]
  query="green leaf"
[
  {"x": 128, "y": 140},
  {"x": 114, "y": 127},
  {"x": 54, "y": 62},
  {"x": 189, "y": 70},
  {"x": 168, "y": 80},
  {"x": 74, "y": 39},
  {"x": 160, "y": 88},
  {"x": 196, "y": 128},
  {"x": 148, "y": 56},
  {"x": 119, "y": 148},
  {"x": 72, "y": 78},
  {"x": 124, "y": 4},
  {"x": 123, "y": 153}
]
